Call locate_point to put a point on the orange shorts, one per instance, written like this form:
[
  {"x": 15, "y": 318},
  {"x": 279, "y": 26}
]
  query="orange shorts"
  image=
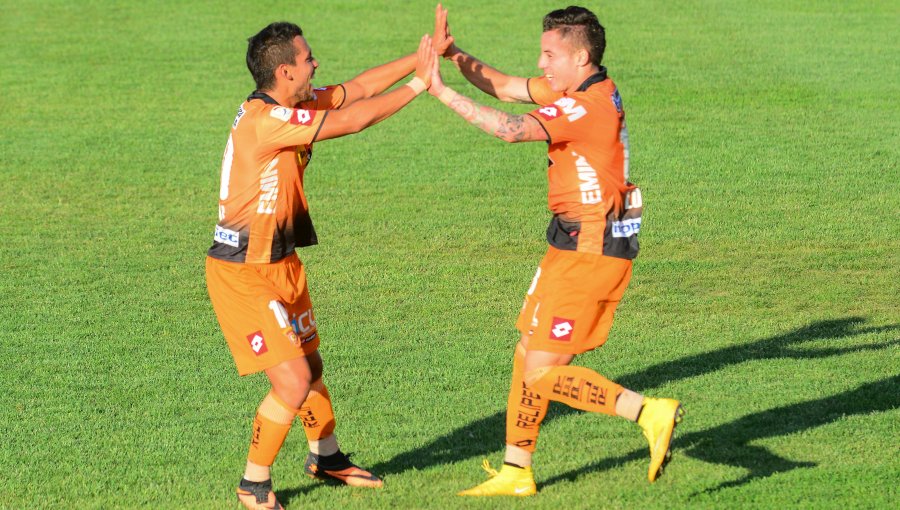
[
  {"x": 570, "y": 306},
  {"x": 264, "y": 311}
]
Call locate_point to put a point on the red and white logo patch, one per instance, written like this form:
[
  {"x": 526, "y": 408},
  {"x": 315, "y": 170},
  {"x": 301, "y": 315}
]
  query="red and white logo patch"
[
  {"x": 257, "y": 343},
  {"x": 303, "y": 117},
  {"x": 549, "y": 112},
  {"x": 561, "y": 329}
]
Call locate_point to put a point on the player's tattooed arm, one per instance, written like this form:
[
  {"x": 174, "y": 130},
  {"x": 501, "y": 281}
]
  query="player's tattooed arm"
[{"x": 508, "y": 127}]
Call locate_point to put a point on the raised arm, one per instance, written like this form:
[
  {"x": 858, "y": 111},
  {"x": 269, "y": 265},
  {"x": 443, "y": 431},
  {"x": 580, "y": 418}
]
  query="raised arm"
[
  {"x": 366, "y": 112},
  {"x": 378, "y": 79},
  {"x": 512, "y": 89},
  {"x": 505, "y": 126}
]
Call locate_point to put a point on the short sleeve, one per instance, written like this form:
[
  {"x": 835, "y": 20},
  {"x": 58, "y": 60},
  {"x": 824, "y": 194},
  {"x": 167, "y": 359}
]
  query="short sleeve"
[
  {"x": 540, "y": 91},
  {"x": 331, "y": 97},
  {"x": 564, "y": 120},
  {"x": 289, "y": 127}
]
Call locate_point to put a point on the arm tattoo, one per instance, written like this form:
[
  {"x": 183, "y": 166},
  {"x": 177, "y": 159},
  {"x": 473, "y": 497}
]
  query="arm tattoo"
[{"x": 511, "y": 128}]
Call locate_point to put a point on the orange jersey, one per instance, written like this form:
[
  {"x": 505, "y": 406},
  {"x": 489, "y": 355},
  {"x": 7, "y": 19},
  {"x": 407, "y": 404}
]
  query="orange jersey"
[
  {"x": 589, "y": 193},
  {"x": 263, "y": 213}
]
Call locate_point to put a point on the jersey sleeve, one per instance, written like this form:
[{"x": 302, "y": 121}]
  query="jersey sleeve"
[
  {"x": 331, "y": 97},
  {"x": 564, "y": 120},
  {"x": 289, "y": 127},
  {"x": 540, "y": 91}
]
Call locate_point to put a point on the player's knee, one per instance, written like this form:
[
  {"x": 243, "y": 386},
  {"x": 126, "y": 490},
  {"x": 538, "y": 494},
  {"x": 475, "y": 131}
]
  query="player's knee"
[
  {"x": 533, "y": 376},
  {"x": 292, "y": 391}
]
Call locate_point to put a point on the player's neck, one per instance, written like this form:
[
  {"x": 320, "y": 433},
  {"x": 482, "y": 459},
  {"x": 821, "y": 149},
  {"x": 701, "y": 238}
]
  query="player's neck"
[
  {"x": 583, "y": 74},
  {"x": 282, "y": 96}
]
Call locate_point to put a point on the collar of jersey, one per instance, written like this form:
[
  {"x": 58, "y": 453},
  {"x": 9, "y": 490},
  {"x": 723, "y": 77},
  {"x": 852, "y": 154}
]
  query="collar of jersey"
[
  {"x": 594, "y": 78},
  {"x": 265, "y": 97}
]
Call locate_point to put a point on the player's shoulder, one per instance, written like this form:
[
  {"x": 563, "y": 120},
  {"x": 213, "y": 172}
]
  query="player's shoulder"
[{"x": 601, "y": 96}]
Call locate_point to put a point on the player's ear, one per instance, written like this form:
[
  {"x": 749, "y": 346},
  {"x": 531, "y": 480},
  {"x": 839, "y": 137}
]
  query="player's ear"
[
  {"x": 284, "y": 72},
  {"x": 583, "y": 57}
]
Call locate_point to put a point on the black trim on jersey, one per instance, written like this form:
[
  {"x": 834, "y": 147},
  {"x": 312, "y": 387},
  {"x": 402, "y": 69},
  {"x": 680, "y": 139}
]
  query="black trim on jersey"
[
  {"x": 562, "y": 234},
  {"x": 324, "y": 116},
  {"x": 528, "y": 89},
  {"x": 343, "y": 99},
  {"x": 592, "y": 79},
  {"x": 227, "y": 252},
  {"x": 304, "y": 232},
  {"x": 549, "y": 140},
  {"x": 619, "y": 247},
  {"x": 266, "y": 98}
]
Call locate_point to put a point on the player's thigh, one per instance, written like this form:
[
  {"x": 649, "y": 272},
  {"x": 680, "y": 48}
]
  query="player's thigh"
[
  {"x": 254, "y": 307},
  {"x": 571, "y": 302}
]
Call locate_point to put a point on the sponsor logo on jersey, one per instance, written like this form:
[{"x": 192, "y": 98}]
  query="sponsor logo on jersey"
[
  {"x": 281, "y": 113},
  {"x": 226, "y": 236},
  {"x": 303, "y": 117},
  {"x": 617, "y": 100},
  {"x": 626, "y": 228},
  {"x": 549, "y": 112},
  {"x": 240, "y": 113},
  {"x": 561, "y": 329},
  {"x": 572, "y": 110},
  {"x": 304, "y": 323},
  {"x": 590, "y": 183},
  {"x": 257, "y": 343}
]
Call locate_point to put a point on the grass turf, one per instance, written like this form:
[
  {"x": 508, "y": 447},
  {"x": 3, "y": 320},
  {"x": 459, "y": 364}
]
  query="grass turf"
[{"x": 764, "y": 135}]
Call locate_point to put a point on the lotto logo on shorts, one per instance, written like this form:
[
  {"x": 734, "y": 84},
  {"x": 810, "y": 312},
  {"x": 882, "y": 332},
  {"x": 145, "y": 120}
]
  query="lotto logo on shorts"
[
  {"x": 561, "y": 329},
  {"x": 257, "y": 343}
]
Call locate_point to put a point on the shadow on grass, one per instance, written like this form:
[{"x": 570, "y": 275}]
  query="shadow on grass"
[
  {"x": 484, "y": 437},
  {"x": 727, "y": 443}
]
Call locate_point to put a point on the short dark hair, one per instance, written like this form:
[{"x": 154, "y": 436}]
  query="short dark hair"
[
  {"x": 581, "y": 27},
  {"x": 271, "y": 47}
]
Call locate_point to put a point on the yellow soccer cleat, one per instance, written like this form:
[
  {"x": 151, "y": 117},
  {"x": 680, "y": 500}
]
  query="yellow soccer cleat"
[
  {"x": 658, "y": 419},
  {"x": 510, "y": 481}
]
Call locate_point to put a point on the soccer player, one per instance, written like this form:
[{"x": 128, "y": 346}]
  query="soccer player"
[
  {"x": 592, "y": 235},
  {"x": 257, "y": 284}
]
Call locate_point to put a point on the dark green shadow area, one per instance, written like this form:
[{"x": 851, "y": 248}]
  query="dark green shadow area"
[{"x": 725, "y": 444}]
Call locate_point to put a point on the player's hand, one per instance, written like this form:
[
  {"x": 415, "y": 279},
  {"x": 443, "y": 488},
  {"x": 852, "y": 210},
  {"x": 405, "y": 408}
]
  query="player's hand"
[
  {"x": 426, "y": 60},
  {"x": 443, "y": 41},
  {"x": 437, "y": 83}
]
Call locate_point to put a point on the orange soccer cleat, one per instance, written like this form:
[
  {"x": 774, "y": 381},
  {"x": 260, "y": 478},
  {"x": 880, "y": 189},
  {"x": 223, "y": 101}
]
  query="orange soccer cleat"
[
  {"x": 338, "y": 467},
  {"x": 257, "y": 495}
]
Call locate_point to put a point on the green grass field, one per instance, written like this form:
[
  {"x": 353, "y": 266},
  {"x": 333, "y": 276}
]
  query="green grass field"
[{"x": 766, "y": 138}]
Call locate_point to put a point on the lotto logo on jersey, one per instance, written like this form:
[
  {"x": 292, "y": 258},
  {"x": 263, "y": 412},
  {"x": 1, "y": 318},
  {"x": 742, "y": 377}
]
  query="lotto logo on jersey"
[
  {"x": 549, "y": 112},
  {"x": 303, "y": 117},
  {"x": 561, "y": 329},
  {"x": 257, "y": 343}
]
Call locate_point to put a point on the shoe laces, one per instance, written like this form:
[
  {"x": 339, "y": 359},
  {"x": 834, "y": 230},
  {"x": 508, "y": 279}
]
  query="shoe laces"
[{"x": 487, "y": 467}]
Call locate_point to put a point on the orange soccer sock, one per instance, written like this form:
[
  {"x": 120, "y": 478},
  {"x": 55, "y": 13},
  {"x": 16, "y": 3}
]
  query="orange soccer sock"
[
  {"x": 270, "y": 428},
  {"x": 577, "y": 387},
  {"x": 525, "y": 408},
  {"x": 317, "y": 416}
]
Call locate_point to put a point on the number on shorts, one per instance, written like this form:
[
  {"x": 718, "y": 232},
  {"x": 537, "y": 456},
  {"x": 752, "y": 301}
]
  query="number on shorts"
[{"x": 281, "y": 314}]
